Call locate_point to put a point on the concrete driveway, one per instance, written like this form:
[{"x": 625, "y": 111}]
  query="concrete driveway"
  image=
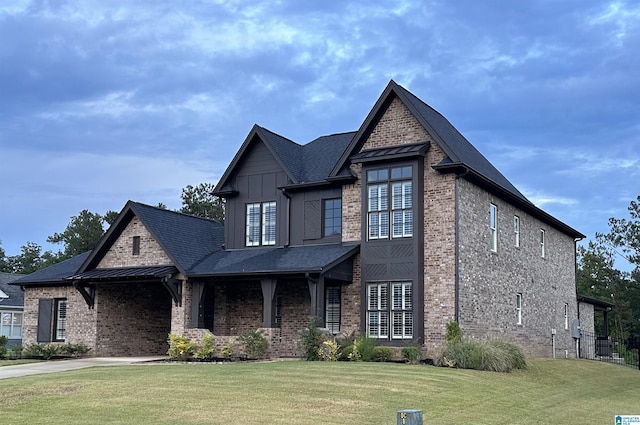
[{"x": 63, "y": 365}]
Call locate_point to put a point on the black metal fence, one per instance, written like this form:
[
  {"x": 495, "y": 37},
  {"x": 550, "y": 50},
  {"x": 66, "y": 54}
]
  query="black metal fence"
[{"x": 610, "y": 350}]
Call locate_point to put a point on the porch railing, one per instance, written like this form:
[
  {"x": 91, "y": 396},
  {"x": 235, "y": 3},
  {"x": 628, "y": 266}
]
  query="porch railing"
[{"x": 610, "y": 350}]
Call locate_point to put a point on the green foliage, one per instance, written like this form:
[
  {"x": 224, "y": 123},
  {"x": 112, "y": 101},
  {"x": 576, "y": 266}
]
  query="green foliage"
[
  {"x": 454, "y": 333},
  {"x": 14, "y": 352},
  {"x": 382, "y": 354},
  {"x": 73, "y": 350},
  {"x": 365, "y": 346},
  {"x": 255, "y": 343},
  {"x": 411, "y": 354},
  {"x": 82, "y": 233},
  {"x": 206, "y": 350},
  {"x": 201, "y": 202},
  {"x": 228, "y": 351},
  {"x": 495, "y": 356},
  {"x": 311, "y": 340},
  {"x": 3, "y": 345},
  {"x": 49, "y": 351},
  {"x": 329, "y": 350},
  {"x": 180, "y": 348}
]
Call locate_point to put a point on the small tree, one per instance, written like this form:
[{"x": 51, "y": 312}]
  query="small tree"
[{"x": 311, "y": 340}]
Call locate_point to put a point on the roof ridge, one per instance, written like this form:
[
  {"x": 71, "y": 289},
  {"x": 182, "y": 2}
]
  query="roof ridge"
[{"x": 167, "y": 210}]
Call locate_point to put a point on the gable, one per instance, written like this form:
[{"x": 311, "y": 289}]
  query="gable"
[
  {"x": 120, "y": 253},
  {"x": 396, "y": 126}
]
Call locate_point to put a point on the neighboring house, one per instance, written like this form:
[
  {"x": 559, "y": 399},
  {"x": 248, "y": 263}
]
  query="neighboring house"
[
  {"x": 11, "y": 307},
  {"x": 391, "y": 231}
]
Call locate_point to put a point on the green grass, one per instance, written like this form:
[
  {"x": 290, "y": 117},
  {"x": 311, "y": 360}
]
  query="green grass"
[
  {"x": 549, "y": 392},
  {"x": 7, "y": 362}
]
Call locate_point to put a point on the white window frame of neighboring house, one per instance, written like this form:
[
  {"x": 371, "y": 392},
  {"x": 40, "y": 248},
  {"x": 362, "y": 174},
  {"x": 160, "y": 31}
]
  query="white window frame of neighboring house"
[
  {"x": 390, "y": 310},
  {"x": 542, "y": 242},
  {"x": 390, "y": 202},
  {"x": 11, "y": 323},
  {"x": 566, "y": 316},
  {"x": 60, "y": 319},
  {"x": 260, "y": 223},
  {"x": 516, "y": 231},
  {"x": 493, "y": 227},
  {"x": 519, "y": 308},
  {"x": 332, "y": 316}
]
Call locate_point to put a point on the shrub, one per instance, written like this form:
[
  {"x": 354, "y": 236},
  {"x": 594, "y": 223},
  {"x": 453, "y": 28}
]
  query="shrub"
[
  {"x": 73, "y": 350},
  {"x": 365, "y": 347},
  {"x": 228, "y": 351},
  {"x": 255, "y": 344},
  {"x": 206, "y": 350},
  {"x": 180, "y": 348},
  {"x": 345, "y": 352},
  {"x": 411, "y": 354},
  {"x": 329, "y": 351},
  {"x": 14, "y": 352},
  {"x": 40, "y": 351},
  {"x": 496, "y": 356},
  {"x": 311, "y": 340},
  {"x": 454, "y": 333},
  {"x": 382, "y": 354},
  {"x": 3, "y": 346}
]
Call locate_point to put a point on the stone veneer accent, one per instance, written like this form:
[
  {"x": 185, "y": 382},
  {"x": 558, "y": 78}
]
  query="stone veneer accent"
[{"x": 489, "y": 281}]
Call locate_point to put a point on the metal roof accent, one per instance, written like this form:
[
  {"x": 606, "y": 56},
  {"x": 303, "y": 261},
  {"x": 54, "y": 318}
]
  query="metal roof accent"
[{"x": 120, "y": 273}]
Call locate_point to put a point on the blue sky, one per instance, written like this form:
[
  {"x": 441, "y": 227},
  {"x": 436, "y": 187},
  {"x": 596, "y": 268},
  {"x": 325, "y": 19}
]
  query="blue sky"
[{"x": 102, "y": 102}]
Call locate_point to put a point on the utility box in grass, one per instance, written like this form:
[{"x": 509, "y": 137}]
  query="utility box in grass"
[{"x": 409, "y": 417}]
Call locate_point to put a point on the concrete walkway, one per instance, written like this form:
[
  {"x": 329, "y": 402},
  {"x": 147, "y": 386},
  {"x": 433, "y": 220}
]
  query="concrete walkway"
[{"x": 63, "y": 365}]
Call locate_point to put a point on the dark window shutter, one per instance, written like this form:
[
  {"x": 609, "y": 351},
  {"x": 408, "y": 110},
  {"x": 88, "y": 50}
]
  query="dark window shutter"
[
  {"x": 45, "y": 307},
  {"x": 312, "y": 220}
]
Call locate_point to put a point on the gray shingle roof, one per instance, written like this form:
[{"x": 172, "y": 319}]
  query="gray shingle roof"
[
  {"x": 56, "y": 273},
  {"x": 299, "y": 259},
  {"x": 15, "y": 294}
]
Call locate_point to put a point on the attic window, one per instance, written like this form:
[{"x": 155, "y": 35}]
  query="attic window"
[{"x": 136, "y": 245}]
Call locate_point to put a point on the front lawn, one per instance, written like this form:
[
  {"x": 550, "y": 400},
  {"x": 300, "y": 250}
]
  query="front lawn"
[{"x": 295, "y": 392}]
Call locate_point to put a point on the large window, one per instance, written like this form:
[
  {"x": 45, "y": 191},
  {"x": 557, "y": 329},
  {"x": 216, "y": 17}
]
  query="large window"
[
  {"x": 390, "y": 318},
  {"x": 390, "y": 203},
  {"x": 260, "y": 224},
  {"x": 60, "y": 319},
  {"x": 10, "y": 324},
  {"x": 332, "y": 217},
  {"x": 493, "y": 227},
  {"x": 332, "y": 309}
]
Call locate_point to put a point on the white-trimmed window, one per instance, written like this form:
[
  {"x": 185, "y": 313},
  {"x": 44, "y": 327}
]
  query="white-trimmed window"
[
  {"x": 493, "y": 227},
  {"x": 518, "y": 309},
  {"x": 390, "y": 203},
  {"x": 260, "y": 224},
  {"x": 566, "y": 316},
  {"x": 542, "y": 240},
  {"x": 516, "y": 231},
  {"x": 332, "y": 309},
  {"x": 390, "y": 318},
  {"x": 10, "y": 324},
  {"x": 60, "y": 319}
]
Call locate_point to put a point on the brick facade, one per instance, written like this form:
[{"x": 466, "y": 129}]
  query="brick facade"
[{"x": 120, "y": 254}]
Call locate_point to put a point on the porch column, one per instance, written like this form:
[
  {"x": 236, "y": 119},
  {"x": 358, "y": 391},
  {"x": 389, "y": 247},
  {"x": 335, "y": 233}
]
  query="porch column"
[
  {"x": 268, "y": 292},
  {"x": 316, "y": 291}
]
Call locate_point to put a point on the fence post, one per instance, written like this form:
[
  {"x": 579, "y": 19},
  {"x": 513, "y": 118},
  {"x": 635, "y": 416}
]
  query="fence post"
[{"x": 409, "y": 417}]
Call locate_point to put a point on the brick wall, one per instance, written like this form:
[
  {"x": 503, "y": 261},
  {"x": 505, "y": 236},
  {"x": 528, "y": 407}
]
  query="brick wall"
[
  {"x": 81, "y": 321},
  {"x": 489, "y": 281},
  {"x": 133, "y": 319},
  {"x": 120, "y": 254}
]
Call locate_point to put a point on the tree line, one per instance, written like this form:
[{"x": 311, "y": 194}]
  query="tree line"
[{"x": 84, "y": 231}]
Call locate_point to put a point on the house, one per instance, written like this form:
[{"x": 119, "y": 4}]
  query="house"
[
  {"x": 392, "y": 231},
  {"x": 11, "y": 307}
]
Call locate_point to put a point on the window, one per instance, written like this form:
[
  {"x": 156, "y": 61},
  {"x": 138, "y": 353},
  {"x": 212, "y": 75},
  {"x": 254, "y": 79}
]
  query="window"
[
  {"x": 10, "y": 324},
  {"x": 260, "y": 224},
  {"x": 542, "y": 243},
  {"x": 566, "y": 316},
  {"x": 390, "y": 203},
  {"x": 516, "y": 231},
  {"x": 136, "y": 245},
  {"x": 493, "y": 227},
  {"x": 60, "y": 319},
  {"x": 519, "y": 309},
  {"x": 332, "y": 309},
  {"x": 332, "y": 217},
  {"x": 393, "y": 318}
]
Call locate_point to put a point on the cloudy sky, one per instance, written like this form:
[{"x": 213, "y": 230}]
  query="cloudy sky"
[{"x": 101, "y": 102}]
